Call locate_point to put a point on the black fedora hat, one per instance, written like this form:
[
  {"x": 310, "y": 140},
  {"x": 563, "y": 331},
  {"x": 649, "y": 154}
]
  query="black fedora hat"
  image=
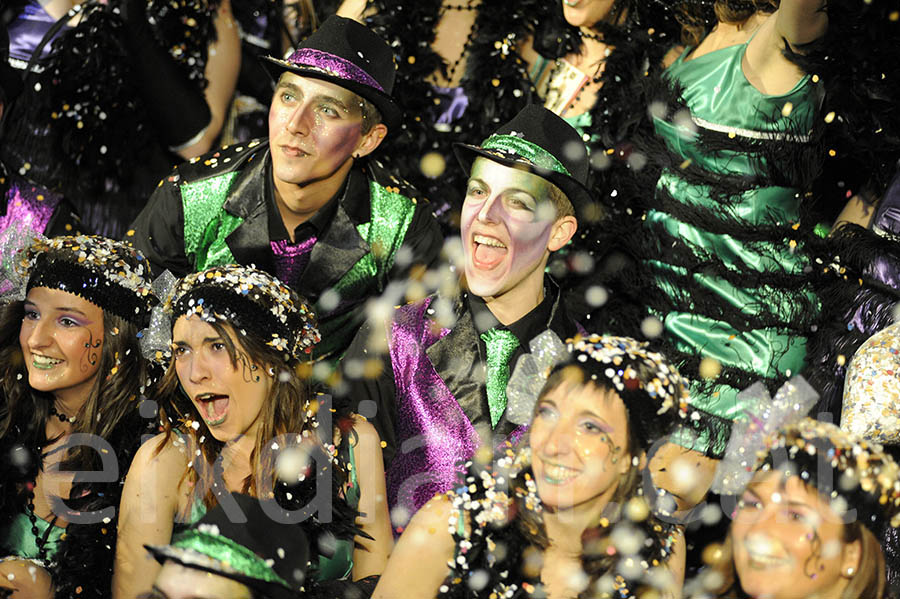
[
  {"x": 349, "y": 54},
  {"x": 246, "y": 545},
  {"x": 543, "y": 143},
  {"x": 10, "y": 80}
]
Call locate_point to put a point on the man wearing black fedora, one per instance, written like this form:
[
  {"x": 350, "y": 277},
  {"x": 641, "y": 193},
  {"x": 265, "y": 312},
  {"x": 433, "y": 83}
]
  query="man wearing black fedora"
[
  {"x": 441, "y": 391},
  {"x": 305, "y": 205},
  {"x": 23, "y": 205}
]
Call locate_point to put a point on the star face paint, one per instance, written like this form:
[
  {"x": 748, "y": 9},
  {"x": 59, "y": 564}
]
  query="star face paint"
[
  {"x": 314, "y": 128},
  {"x": 578, "y": 438},
  {"x": 787, "y": 541},
  {"x": 61, "y": 339},
  {"x": 507, "y": 220}
]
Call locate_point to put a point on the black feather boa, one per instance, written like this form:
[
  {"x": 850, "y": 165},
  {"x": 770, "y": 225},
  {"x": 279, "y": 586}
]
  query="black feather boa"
[
  {"x": 80, "y": 126},
  {"x": 498, "y": 554},
  {"x": 495, "y": 82},
  {"x": 82, "y": 567}
]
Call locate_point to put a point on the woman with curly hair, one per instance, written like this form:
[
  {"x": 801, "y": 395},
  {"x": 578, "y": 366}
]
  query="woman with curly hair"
[
  {"x": 238, "y": 415},
  {"x": 562, "y": 513},
  {"x": 71, "y": 410},
  {"x": 807, "y": 523}
]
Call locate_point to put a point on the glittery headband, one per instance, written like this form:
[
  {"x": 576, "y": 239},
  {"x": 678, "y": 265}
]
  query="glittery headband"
[
  {"x": 110, "y": 274},
  {"x": 860, "y": 474},
  {"x": 514, "y": 147},
  {"x": 330, "y": 64},
  {"x": 245, "y": 298},
  {"x": 665, "y": 389},
  {"x": 206, "y": 548}
]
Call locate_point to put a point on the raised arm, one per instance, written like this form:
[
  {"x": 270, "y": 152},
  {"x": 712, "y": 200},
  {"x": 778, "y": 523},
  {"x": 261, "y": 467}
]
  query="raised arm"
[
  {"x": 371, "y": 556},
  {"x": 148, "y": 509},
  {"x": 222, "y": 68},
  {"x": 418, "y": 564}
]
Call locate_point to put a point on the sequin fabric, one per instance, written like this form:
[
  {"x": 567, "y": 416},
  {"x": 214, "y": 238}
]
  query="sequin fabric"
[
  {"x": 433, "y": 433},
  {"x": 28, "y": 207},
  {"x": 108, "y": 273},
  {"x": 329, "y": 64},
  {"x": 840, "y": 465},
  {"x": 206, "y": 548},
  {"x": 392, "y": 213},
  {"x": 206, "y": 224},
  {"x": 872, "y": 389},
  {"x": 500, "y": 344},
  {"x": 516, "y": 148},
  {"x": 291, "y": 258},
  {"x": 248, "y": 299}
]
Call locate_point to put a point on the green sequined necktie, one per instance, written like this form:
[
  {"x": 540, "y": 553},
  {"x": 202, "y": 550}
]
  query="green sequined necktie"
[{"x": 500, "y": 347}]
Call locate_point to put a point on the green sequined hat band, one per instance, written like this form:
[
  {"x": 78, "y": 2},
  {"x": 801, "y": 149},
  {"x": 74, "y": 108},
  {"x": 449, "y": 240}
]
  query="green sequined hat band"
[
  {"x": 234, "y": 557},
  {"x": 523, "y": 149}
]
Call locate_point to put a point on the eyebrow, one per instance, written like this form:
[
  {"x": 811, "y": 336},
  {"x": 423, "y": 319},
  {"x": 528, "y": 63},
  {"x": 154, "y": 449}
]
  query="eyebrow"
[
  {"x": 321, "y": 97},
  {"x": 58, "y": 308},
  {"x": 204, "y": 342}
]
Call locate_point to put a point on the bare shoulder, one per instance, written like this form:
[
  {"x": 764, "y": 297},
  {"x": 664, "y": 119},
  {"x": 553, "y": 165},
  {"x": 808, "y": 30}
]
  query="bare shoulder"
[
  {"x": 366, "y": 436},
  {"x": 161, "y": 456}
]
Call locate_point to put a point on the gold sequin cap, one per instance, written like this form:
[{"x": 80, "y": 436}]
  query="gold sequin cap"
[
  {"x": 110, "y": 274},
  {"x": 854, "y": 473},
  {"x": 252, "y": 302}
]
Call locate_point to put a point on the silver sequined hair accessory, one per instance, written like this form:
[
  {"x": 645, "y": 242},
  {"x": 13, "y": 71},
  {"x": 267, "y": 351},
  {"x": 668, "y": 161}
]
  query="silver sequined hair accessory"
[
  {"x": 530, "y": 375},
  {"x": 762, "y": 417},
  {"x": 859, "y": 478}
]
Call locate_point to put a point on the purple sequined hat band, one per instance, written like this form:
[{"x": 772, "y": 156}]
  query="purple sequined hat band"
[{"x": 331, "y": 64}]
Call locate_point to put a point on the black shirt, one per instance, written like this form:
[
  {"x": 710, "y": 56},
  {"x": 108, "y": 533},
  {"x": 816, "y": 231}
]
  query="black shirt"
[{"x": 375, "y": 398}]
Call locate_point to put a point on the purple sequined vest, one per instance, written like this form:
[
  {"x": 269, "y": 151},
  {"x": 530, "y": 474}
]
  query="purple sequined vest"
[{"x": 434, "y": 436}]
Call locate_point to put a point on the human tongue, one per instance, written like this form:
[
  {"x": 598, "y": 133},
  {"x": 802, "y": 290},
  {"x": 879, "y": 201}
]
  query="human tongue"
[
  {"x": 488, "y": 255},
  {"x": 215, "y": 408}
]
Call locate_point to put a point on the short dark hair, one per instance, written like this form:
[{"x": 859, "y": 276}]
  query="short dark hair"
[{"x": 561, "y": 202}]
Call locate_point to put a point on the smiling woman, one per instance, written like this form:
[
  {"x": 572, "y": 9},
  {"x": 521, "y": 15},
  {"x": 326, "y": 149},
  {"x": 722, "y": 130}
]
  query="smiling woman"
[
  {"x": 806, "y": 524},
  {"x": 239, "y": 415},
  {"x": 561, "y": 513},
  {"x": 76, "y": 372}
]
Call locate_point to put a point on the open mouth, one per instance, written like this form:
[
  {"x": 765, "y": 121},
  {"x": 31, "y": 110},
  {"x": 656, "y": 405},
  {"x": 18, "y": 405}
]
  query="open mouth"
[
  {"x": 759, "y": 554},
  {"x": 558, "y": 475},
  {"x": 488, "y": 251},
  {"x": 44, "y": 362},
  {"x": 213, "y": 407}
]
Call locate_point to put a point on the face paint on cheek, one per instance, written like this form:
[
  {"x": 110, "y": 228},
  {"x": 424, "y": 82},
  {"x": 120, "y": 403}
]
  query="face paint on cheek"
[
  {"x": 91, "y": 354},
  {"x": 528, "y": 242}
]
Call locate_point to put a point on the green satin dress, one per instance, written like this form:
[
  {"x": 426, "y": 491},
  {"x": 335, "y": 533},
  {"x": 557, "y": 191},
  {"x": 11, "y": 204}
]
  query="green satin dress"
[
  {"x": 20, "y": 539},
  {"x": 721, "y": 99}
]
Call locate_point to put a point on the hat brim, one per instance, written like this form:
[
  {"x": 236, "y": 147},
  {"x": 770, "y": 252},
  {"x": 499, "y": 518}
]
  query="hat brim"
[
  {"x": 577, "y": 193},
  {"x": 391, "y": 115},
  {"x": 189, "y": 559}
]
